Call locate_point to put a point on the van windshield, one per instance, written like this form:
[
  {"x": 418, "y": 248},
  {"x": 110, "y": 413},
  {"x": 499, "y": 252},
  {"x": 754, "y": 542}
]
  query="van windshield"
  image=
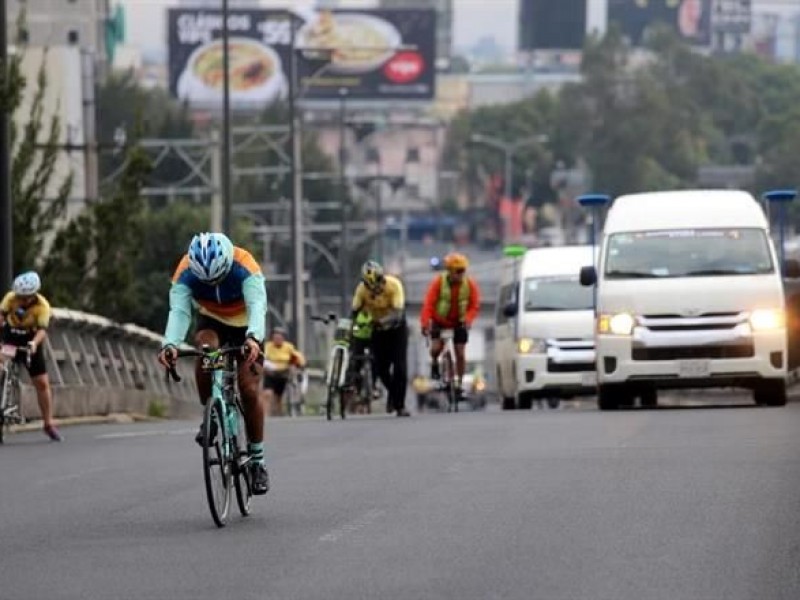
[
  {"x": 688, "y": 253},
  {"x": 556, "y": 293}
]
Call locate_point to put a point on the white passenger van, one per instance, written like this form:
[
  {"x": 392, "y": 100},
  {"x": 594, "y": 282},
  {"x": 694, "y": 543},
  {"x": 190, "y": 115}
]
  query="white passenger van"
[
  {"x": 689, "y": 295},
  {"x": 544, "y": 333}
]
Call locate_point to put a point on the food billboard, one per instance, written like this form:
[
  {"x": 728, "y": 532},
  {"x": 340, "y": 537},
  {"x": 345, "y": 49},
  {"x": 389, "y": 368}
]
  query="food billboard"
[{"x": 374, "y": 55}]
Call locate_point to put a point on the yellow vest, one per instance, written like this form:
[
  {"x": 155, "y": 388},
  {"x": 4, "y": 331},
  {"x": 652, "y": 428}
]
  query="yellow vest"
[{"x": 443, "y": 305}]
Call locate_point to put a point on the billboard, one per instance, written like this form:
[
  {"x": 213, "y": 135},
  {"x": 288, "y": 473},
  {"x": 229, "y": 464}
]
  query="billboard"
[
  {"x": 552, "y": 24},
  {"x": 373, "y": 54},
  {"x": 691, "y": 19}
]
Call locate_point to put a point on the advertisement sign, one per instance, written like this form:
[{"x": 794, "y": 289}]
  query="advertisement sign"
[
  {"x": 374, "y": 55},
  {"x": 691, "y": 19},
  {"x": 552, "y": 24}
]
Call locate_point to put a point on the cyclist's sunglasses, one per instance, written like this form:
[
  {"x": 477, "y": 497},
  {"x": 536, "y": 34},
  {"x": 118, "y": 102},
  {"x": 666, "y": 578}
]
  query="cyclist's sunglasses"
[{"x": 459, "y": 271}]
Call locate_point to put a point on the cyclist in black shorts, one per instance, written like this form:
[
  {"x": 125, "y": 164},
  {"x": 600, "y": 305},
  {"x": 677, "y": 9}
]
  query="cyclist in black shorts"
[{"x": 225, "y": 285}]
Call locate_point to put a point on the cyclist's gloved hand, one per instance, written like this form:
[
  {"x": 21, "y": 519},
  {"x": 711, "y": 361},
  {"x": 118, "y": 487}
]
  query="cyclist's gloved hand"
[
  {"x": 426, "y": 331},
  {"x": 168, "y": 356},
  {"x": 251, "y": 350}
]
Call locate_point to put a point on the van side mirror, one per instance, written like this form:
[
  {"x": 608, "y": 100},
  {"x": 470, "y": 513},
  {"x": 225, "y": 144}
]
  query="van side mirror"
[
  {"x": 588, "y": 276},
  {"x": 791, "y": 268},
  {"x": 510, "y": 310}
]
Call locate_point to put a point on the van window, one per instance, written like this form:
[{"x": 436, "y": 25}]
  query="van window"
[
  {"x": 557, "y": 293},
  {"x": 688, "y": 253}
]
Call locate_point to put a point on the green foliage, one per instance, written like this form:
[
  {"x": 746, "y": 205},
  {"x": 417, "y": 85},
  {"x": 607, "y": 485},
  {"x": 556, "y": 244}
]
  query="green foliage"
[
  {"x": 644, "y": 123},
  {"x": 40, "y": 199}
]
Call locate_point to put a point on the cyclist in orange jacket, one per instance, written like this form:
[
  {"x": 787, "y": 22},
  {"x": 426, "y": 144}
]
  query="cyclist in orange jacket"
[{"x": 452, "y": 302}]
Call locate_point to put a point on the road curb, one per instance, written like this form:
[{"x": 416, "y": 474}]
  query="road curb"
[{"x": 114, "y": 418}]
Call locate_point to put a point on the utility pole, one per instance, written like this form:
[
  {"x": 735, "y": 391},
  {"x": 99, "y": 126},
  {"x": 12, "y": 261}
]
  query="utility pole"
[
  {"x": 226, "y": 124},
  {"x": 298, "y": 262},
  {"x": 6, "y": 213}
]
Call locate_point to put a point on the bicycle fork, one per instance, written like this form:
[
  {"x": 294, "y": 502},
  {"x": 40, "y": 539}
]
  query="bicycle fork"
[{"x": 343, "y": 365}]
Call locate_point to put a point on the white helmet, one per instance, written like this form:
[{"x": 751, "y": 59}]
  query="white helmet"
[
  {"x": 27, "y": 284},
  {"x": 210, "y": 256}
]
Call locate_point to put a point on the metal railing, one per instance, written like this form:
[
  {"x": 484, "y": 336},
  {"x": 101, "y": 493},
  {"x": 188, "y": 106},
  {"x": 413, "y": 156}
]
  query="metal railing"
[{"x": 86, "y": 350}]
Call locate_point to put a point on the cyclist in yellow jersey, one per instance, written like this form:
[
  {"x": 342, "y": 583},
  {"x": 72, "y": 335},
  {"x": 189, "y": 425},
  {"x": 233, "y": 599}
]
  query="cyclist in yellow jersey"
[
  {"x": 280, "y": 356},
  {"x": 382, "y": 297},
  {"x": 24, "y": 318}
]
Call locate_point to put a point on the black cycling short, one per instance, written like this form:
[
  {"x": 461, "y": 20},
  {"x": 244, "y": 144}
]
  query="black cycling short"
[
  {"x": 276, "y": 383},
  {"x": 227, "y": 334},
  {"x": 460, "y": 333},
  {"x": 37, "y": 366}
]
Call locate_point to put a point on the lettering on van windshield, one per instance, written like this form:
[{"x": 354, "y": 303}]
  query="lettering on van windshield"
[{"x": 689, "y": 253}]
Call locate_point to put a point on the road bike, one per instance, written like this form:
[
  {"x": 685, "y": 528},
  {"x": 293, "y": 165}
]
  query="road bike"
[
  {"x": 338, "y": 364},
  {"x": 295, "y": 392},
  {"x": 226, "y": 462},
  {"x": 10, "y": 388}
]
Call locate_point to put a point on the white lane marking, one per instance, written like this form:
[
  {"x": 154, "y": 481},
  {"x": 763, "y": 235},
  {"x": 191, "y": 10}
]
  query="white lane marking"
[
  {"x": 72, "y": 475},
  {"x": 135, "y": 434},
  {"x": 354, "y": 526}
]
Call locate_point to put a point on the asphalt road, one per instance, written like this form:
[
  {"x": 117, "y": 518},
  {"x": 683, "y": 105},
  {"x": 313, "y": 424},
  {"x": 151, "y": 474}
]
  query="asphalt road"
[{"x": 568, "y": 504}]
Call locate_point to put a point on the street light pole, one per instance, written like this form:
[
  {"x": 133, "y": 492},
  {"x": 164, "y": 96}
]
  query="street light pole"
[
  {"x": 298, "y": 260},
  {"x": 226, "y": 123},
  {"x": 6, "y": 214},
  {"x": 508, "y": 149}
]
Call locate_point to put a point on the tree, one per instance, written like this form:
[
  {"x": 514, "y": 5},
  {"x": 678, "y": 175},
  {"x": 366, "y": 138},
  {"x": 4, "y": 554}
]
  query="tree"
[
  {"x": 93, "y": 261},
  {"x": 39, "y": 197}
]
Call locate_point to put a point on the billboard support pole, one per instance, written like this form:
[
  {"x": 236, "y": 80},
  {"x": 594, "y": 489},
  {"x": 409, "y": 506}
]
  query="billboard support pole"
[
  {"x": 296, "y": 168},
  {"x": 343, "y": 262},
  {"x": 226, "y": 123},
  {"x": 6, "y": 213}
]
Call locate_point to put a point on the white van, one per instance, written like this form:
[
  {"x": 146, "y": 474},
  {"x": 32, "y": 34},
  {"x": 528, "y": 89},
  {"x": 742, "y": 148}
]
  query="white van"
[
  {"x": 688, "y": 295},
  {"x": 544, "y": 332}
]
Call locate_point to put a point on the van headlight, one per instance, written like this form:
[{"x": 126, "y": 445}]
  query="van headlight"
[
  {"x": 617, "y": 324},
  {"x": 531, "y": 346},
  {"x": 765, "y": 319}
]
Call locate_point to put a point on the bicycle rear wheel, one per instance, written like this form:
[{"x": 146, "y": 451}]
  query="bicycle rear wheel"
[
  {"x": 3, "y": 403},
  {"x": 216, "y": 467},
  {"x": 241, "y": 475}
]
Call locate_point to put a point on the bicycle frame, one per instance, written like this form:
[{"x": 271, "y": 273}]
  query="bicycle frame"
[{"x": 11, "y": 408}]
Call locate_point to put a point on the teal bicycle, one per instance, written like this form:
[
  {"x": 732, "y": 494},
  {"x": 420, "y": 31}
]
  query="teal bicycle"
[{"x": 226, "y": 461}]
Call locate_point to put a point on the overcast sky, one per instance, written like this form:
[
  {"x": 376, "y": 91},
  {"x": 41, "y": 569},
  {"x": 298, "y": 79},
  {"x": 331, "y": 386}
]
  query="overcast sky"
[{"x": 473, "y": 19}]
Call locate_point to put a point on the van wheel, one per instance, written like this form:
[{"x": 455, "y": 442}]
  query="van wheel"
[
  {"x": 649, "y": 398},
  {"x": 612, "y": 396},
  {"x": 509, "y": 403},
  {"x": 525, "y": 401},
  {"x": 554, "y": 402},
  {"x": 771, "y": 392}
]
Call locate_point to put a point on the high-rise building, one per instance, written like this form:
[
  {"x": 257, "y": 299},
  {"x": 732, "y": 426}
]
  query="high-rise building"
[{"x": 79, "y": 23}]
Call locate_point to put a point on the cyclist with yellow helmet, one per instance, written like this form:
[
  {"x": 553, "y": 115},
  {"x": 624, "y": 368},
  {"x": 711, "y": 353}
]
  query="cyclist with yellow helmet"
[
  {"x": 452, "y": 302},
  {"x": 382, "y": 297}
]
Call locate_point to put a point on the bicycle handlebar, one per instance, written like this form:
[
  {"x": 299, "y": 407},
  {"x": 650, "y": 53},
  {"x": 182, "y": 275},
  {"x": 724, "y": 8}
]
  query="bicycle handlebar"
[
  {"x": 205, "y": 351},
  {"x": 26, "y": 350}
]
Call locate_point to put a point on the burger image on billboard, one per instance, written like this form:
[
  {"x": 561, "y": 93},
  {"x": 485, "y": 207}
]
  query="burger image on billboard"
[
  {"x": 256, "y": 72},
  {"x": 358, "y": 43}
]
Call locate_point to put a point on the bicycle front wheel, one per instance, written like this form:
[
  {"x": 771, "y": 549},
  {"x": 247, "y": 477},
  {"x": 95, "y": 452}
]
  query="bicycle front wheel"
[
  {"x": 450, "y": 379},
  {"x": 333, "y": 386},
  {"x": 216, "y": 467},
  {"x": 241, "y": 465}
]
